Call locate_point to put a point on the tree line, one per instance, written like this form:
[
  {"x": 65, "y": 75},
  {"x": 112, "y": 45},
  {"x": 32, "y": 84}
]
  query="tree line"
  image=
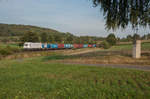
[
  {"x": 58, "y": 38},
  {"x": 130, "y": 38}
]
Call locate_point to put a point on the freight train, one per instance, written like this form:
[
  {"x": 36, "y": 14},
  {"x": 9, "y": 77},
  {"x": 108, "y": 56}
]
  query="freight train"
[{"x": 31, "y": 45}]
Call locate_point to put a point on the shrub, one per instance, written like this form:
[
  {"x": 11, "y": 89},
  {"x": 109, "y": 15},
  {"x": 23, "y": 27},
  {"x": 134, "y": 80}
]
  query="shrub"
[
  {"x": 8, "y": 50},
  {"x": 5, "y": 52},
  {"x": 105, "y": 45},
  {"x": 13, "y": 49},
  {"x": 20, "y": 44},
  {"x": 111, "y": 39}
]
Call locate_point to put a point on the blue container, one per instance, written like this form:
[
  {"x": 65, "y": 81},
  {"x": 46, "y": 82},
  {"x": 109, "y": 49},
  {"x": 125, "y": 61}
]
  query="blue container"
[
  {"x": 85, "y": 45},
  {"x": 67, "y": 45},
  {"x": 54, "y": 46},
  {"x": 71, "y": 45},
  {"x": 42, "y": 45},
  {"x": 94, "y": 45},
  {"x": 48, "y": 46}
]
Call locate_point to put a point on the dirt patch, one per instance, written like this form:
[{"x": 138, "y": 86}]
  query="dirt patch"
[
  {"x": 106, "y": 60},
  {"x": 81, "y": 51}
]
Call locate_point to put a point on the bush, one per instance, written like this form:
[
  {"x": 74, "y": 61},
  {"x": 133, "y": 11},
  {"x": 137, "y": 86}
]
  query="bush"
[
  {"x": 5, "y": 52},
  {"x": 105, "y": 45},
  {"x": 8, "y": 50},
  {"x": 20, "y": 44},
  {"x": 111, "y": 39},
  {"x": 13, "y": 49}
]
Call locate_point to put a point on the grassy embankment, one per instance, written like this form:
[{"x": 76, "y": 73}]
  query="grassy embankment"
[{"x": 38, "y": 78}]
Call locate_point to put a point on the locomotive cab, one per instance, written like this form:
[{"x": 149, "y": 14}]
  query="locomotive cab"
[
  {"x": 30, "y": 45},
  {"x": 27, "y": 45}
]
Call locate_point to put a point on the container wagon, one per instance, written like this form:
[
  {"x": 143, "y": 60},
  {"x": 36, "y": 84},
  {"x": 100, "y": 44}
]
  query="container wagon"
[{"x": 31, "y": 45}]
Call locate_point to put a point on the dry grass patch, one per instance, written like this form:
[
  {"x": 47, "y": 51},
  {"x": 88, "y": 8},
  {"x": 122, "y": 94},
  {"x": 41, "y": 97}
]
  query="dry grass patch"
[{"x": 116, "y": 59}]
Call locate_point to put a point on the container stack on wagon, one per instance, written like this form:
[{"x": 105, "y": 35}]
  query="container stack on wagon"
[
  {"x": 54, "y": 46},
  {"x": 61, "y": 46},
  {"x": 94, "y": 45},
  {"x": 85, "y": 46},
  {"x": 90, "y": 45},
  {"x": 30, "y": 45},
  {"x": 67, "y": 46}
]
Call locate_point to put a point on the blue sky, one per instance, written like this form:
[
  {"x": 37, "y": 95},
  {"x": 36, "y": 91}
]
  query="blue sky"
[{"x": 76, "y": 16}]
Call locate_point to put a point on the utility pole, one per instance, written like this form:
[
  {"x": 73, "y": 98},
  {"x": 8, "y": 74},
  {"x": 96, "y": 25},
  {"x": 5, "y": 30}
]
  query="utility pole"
[{"x": 136, "y": 51}]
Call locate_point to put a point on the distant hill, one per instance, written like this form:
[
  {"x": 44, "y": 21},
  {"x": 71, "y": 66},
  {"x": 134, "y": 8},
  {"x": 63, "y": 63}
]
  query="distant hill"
[
  {"x": 18, "y": 30},
  {"x": 13, "y": 32}
]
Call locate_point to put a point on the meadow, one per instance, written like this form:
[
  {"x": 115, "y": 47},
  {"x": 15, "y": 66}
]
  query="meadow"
[
  {"x": 144, "y": 46},
  {"x": 37, "y": 78},
  {"x": 45, "y": 75}
]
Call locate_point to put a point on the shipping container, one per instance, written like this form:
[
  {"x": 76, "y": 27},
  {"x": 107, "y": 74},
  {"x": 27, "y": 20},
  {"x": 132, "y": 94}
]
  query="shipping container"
[
  {"x": 48, "y": 45},
  {"x": 75, "y": 45},
  {"x": 67, "y": 45},
  {"x": 71, "y": 45},
  {"x": 44, "y": 45},
  {"x": 60, "y": 45},
  {"x": 85, "y": 46},
  {"x": 54, "y": 45},
  {"x": 94, "y": 45},
  {"x": 80, "y": 45},
  {"x": 90, "y": 45}
]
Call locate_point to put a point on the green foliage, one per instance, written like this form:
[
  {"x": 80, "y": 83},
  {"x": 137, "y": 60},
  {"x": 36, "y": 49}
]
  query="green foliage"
[
  {"x": 120, "y": 13},
  {"x": 44, "y": 37},
  {"x": 51, "y": 39},
  {"x": 4, "y": 51},
  {"x": 30, "y": 37},
  {"x": 58, "y": 39},
  {"x": 12, "y": 33},
  {"x": 105, "y": 45},
  {"x": 129, "y": 38},
  {"x": 69, "y": 38},
  {"x": 19, "y": 30},
  {"x": 136, "y": 37},
  {"x": 111, "y": 39}
]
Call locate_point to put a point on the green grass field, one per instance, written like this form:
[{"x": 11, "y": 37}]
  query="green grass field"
[
  {"x": 2, "y": 45},
  {"x": 37, "y": 78},
  {"x": 145, "y": 46}
]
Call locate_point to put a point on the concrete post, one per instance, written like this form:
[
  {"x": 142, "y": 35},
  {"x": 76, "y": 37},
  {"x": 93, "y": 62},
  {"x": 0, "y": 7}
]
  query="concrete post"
[{"x": 136, "y": 52}]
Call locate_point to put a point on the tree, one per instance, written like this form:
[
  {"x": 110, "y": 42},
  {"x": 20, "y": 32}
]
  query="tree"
[
  {"x": 136, "y": 37},
  {"x": 30, "y": 37},
  {"x": 58, "y": 39},
  {"x": 129, "y": 38},
  {"x": 111, "y": 39},
  {"x": 44, "y": 37},
  {"x": 51, "y": 38},
  {"x": 69, "y": 38},
  {"x": 144, "y": 37},
  {"x": 148, "y": 36},
  {"x": 77, "y": 40},
  {"x": 105, "y": 45},
  {"x": 120, "y": 13}
]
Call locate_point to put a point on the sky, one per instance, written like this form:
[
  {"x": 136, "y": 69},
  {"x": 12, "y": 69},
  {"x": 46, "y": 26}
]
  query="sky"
[{"x": 78, "y": 17}]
